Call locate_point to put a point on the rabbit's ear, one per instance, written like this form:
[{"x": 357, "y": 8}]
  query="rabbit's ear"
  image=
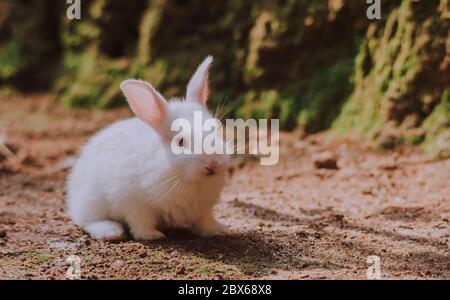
[
  {"x": 198, "y": 87},
  {"x": 146, "y": 103}
]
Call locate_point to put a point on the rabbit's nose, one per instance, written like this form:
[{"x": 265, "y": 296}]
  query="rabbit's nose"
[{"x": 213, "y": 165}]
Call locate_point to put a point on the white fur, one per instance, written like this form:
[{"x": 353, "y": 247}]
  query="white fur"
[{"x": 127, "y": 174}]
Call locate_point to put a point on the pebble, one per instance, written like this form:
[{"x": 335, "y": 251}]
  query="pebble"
[
  {"x": 180, "y": 270},
  {"x": 325, "y": 160},
  {"x": 399, "y": 200}
]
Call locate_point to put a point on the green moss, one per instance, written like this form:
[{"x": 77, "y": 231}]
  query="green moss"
[
  {"x": 207, "y": 267},
  {"x": 29, "y": 48},
  {"x": 11, "y": 59},
  {"x": 437, "y": 125},
  {"x": 92, "y": 76},
  {"x": 413, "y": 139},
  {"x": 267, "y": 105},
  {"x": 326, "y": 91},
  {"x": 42, "y": 258},
  {"x": 394, "y": 73},
  {"x": 312, "y": 64}
]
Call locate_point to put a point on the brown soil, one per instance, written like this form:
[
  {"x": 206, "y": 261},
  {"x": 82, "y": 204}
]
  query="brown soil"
[{"x": 299, "y": 219}]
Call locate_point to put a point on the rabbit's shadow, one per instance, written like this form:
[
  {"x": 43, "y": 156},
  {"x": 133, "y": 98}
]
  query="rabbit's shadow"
[
  {"x": 258, "y": 253},
  {"x": 249, "y": 252},
  {"x": 252, "y": 253}
]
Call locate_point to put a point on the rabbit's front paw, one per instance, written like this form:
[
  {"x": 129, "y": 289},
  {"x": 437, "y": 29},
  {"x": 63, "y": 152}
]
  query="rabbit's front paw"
[
  {"x": 106, "y": 230},
  {"x": 212, "y": 228},
  {"x": 148, "y": 235}
]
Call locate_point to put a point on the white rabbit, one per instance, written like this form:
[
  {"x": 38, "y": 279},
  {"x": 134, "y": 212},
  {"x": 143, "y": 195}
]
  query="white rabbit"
[{"x": 128, "y": 175}]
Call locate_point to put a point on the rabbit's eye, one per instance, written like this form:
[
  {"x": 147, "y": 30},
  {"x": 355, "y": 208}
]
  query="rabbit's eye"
[{"x": 181, "y": 142}]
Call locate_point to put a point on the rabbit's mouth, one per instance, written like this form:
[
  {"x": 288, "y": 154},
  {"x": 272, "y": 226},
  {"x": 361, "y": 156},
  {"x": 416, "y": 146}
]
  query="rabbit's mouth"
[{"x": 210, "y": 172}]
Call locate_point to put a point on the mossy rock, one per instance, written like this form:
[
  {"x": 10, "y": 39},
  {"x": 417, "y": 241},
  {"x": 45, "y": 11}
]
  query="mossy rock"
[{"x": 315, "y": 65}]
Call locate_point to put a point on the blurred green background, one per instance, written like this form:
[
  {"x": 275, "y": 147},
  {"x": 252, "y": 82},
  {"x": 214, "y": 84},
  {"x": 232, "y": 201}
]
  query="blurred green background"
[{"x": 316, "y": 65}]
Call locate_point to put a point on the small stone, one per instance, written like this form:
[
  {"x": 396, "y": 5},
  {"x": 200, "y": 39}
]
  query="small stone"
[
  {"x": 368, "y": 190},
  {"x": 399, "y": 200},
  {"x": 387, "y": 141},
  {"x": 231, "y": 171},
  {"x": 49, "y": 189},
  {"x": 389, "y": 167},
  {"x": 301, "y": 234},
  {"x": 339, "y": 218},
  {"x": 180, "y": 270},
  {"x": 143, "y": 254},
  {"x": 325, "y": 160}
]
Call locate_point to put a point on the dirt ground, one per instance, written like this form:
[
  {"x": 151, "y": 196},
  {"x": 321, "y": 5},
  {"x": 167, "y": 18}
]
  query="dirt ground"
[{"x": 290, "y": 221}]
